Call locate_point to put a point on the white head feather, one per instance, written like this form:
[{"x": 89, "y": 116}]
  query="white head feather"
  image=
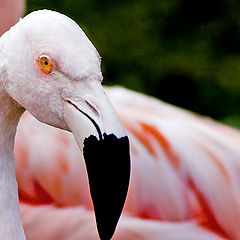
[{"x": 73, "y": 56}]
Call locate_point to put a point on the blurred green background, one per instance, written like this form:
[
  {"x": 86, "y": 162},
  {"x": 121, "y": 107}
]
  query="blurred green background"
[{"x": 182, "y": 51}]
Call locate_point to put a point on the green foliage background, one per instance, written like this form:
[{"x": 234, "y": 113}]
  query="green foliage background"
[{"x": 182, "y": 51}]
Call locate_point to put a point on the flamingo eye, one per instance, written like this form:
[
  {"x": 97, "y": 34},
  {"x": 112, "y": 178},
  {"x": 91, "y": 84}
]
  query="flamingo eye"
[{"x": 45, "y": 64}]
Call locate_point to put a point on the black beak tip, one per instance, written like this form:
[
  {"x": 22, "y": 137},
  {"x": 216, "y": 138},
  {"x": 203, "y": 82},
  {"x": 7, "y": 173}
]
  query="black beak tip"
[{"x": 108, "y": 165}]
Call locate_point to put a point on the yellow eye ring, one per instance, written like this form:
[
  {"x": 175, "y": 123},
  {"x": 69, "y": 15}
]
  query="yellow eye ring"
[{"x": 45, "y": 64}]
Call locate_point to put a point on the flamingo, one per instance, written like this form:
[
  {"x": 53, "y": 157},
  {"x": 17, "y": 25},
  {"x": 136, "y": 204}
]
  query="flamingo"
[
  {"x": 184, "y": 179},
  {"x": 10, "y": 12},
  {"x": 60, "y": 84}
]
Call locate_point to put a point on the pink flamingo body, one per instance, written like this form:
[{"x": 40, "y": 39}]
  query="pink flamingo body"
[
  {"x": 184, "y": 175},
  {"x": 10, "y": 12}
]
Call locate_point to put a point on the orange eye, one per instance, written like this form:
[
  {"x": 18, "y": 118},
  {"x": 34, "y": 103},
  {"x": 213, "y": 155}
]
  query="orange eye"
[{"x": 45, "y": 64}]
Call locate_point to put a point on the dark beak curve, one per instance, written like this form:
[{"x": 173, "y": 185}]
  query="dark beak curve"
[
  {"x": 108, "y": 167},
  {"x": 105, "y": 146}
]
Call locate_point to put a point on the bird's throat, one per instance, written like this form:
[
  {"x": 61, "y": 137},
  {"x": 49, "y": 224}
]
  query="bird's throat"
[{"x": 10, "y": 222}]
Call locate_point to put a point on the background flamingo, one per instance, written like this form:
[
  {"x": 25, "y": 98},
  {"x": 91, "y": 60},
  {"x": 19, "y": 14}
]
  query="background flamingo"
[
  {"x": 10, "y": 12},
  {"x": 184, "y": 182},
  {"x": 184, "y": 179}
]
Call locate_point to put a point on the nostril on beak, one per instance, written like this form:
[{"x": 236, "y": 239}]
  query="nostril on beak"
[
  {"x": 90, "y": 118},
  {"x": 94, "y": 110}
]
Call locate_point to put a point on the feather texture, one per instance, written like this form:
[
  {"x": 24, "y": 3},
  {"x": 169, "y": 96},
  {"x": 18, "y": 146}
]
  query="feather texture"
[{"x": 184, "y": 179}]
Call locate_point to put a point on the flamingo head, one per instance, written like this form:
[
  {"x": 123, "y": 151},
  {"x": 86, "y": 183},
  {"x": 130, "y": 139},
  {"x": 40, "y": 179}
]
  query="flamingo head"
[{"x": 51, "y": 69}]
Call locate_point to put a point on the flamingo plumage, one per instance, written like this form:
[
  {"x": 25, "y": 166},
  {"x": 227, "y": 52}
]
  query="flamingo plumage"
[
  {"x": 60, "y": 84},
  {"x": 184, "y": 181},
  {"x": 184, "y": 177},
  {"x": 10, "y": 12}
]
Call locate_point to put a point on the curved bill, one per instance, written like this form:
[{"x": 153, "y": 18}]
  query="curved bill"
[{"x": 105, "y": 146}]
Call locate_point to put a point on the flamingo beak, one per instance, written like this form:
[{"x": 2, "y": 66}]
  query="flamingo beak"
[{"x": 105, "y": 147}]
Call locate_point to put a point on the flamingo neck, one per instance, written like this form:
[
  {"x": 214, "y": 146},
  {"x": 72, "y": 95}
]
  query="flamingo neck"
[{"x": 10, "y": 221}]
